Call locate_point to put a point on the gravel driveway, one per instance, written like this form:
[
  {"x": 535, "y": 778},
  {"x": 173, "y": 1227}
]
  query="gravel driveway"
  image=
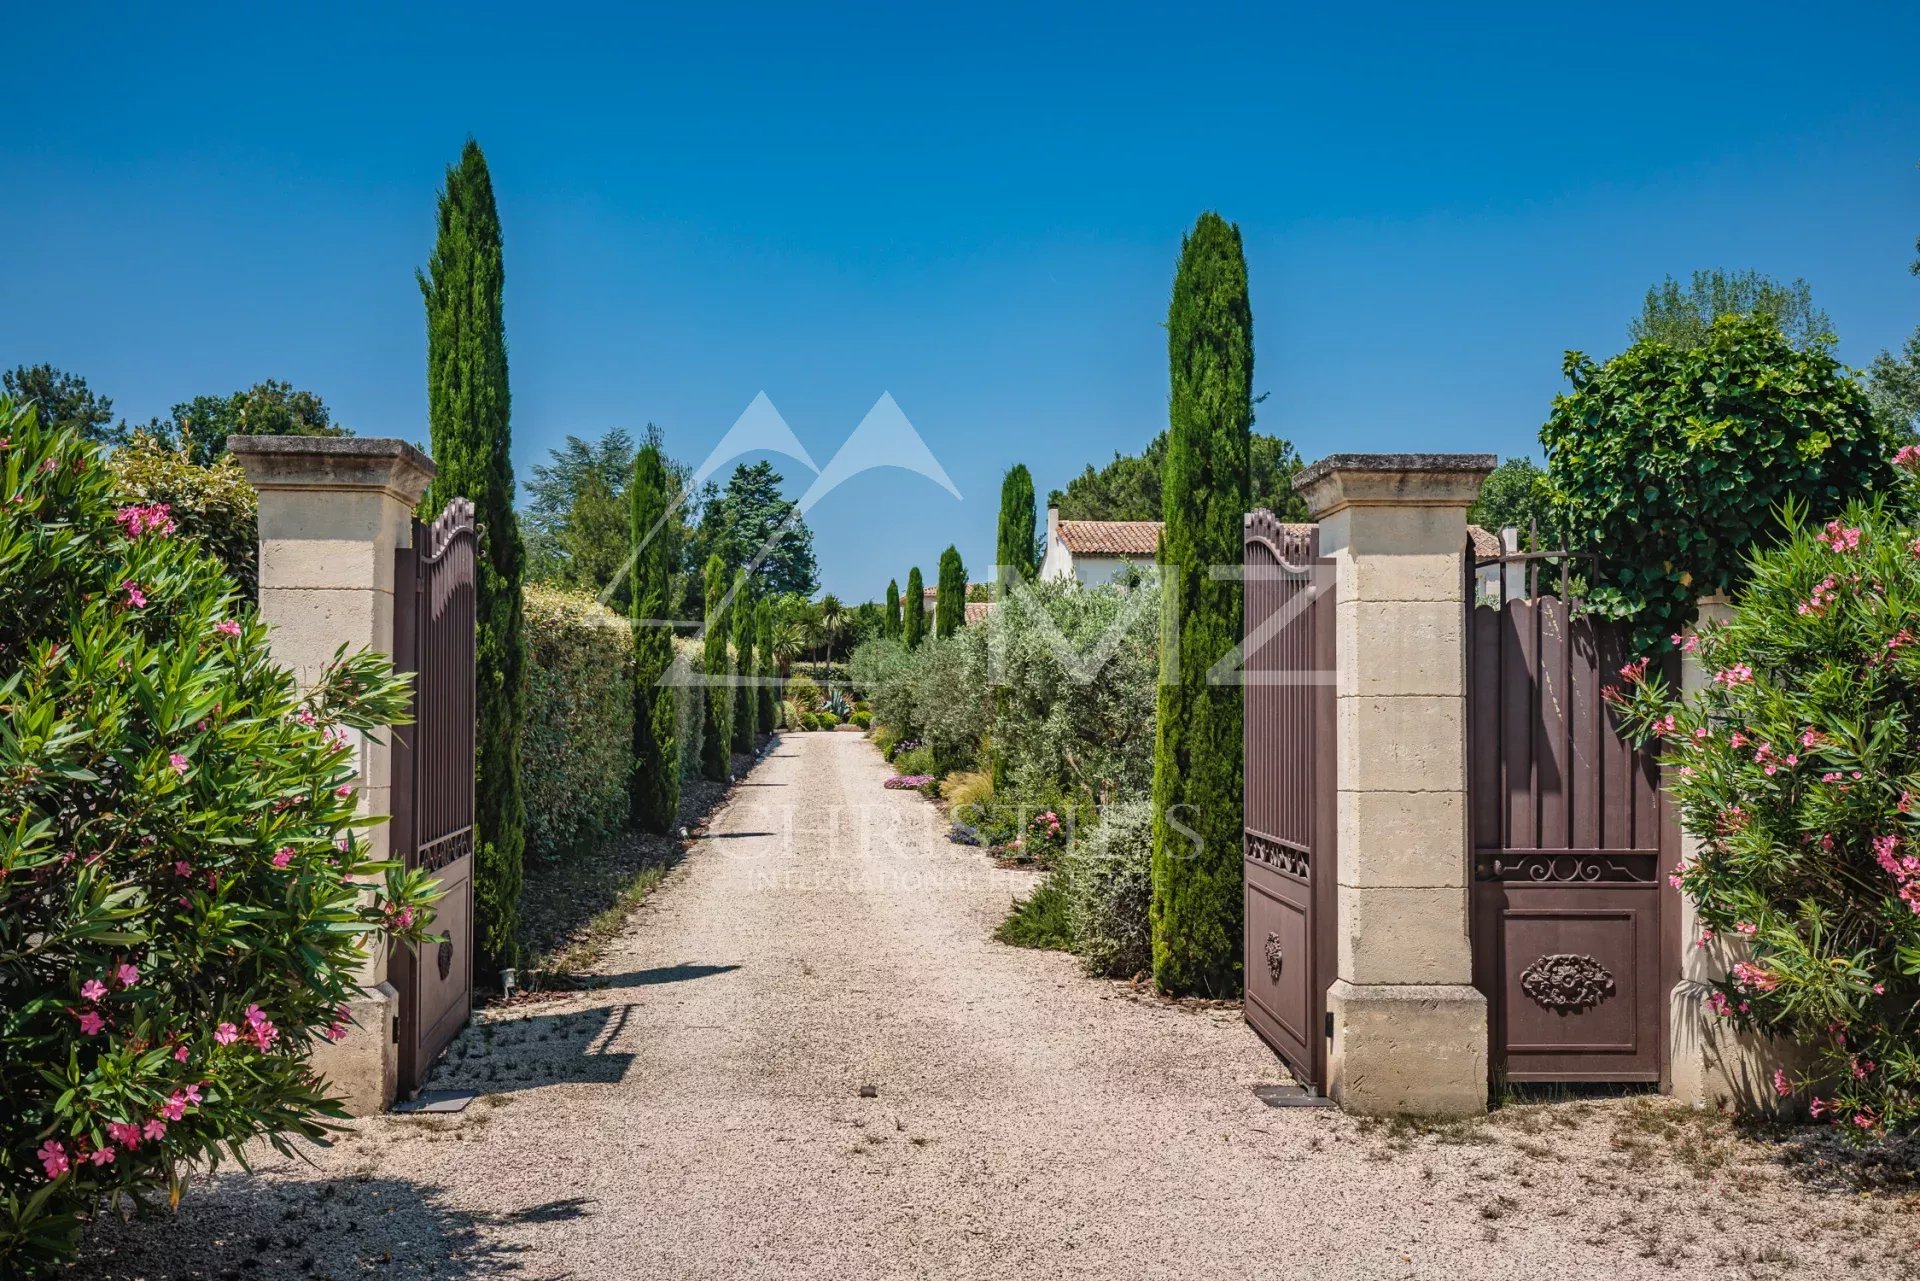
[{"x": 702, "y": 1116}]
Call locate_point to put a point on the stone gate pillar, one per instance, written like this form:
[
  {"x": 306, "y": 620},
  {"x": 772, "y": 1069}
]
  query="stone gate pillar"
[
  {"x": 332, "y": 513},
  {"x": 1409, "y": 1027}
]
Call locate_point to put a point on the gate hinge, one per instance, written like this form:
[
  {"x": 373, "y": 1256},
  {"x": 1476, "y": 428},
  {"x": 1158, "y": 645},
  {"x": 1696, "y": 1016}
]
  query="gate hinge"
[
  {"x": 1329, "y": 1025},
  {"x": 396, "y": 1028}
]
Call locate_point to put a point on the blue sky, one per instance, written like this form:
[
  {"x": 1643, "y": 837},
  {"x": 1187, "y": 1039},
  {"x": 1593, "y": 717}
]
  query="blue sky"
[{"x": 978, "y": 213}]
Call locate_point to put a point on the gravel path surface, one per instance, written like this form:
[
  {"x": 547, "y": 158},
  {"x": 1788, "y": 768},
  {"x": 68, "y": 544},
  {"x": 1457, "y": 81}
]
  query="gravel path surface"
[{"x": 702, "y": 1116}]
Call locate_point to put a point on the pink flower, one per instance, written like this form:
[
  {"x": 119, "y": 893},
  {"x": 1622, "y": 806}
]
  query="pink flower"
[
  {"x": 128, "y": 975},
  {"x": 1635, "y": 672},
  {"x": 1838, "y": 537},
  {"x": 193, "y": 1095},
  {"x": 175, "y": 1107},
  {"x": 1686, "y": 642},
  {"x": 1879, "y": 989},
  {"x": 92, "y": 1024},
  {"x": 1818, "y": 1106},
  {"x": 93, "y": 990},
  {"x": 343, "y": 791},
  {"x": 227, "y": 627},
  {"x": 1781, "y": 1086},
  {"x": 1830, "y": 777},
  {"x": 304, "y": 716},
  {"x": 264, "y": 1035},
  {"x": 125, "y": 1133},
  {"x": 178, "y": 762},
  {"x": 226, "y": 1034},
  {"x": 182, "y": 868},
  {"x": 1738, "y": 739},
  {"x": 103, "y": 1155},
  {"x": 137, "y": 520},
  {"x": 155, "y": 1128},
  {"x": 1746, "y": 927},
  {"x": 1908, "y": 457},
  {"x": 179, "y": 1054},
  {"x": 255, "y": 1015},
  {"x": 1738, "y": 674},
  {"x": 283, "y": 856},
  {"x": 135, "y": 597},
  {"x": 53, "y": 1158},
  {"x": 337, "y": 1032}
]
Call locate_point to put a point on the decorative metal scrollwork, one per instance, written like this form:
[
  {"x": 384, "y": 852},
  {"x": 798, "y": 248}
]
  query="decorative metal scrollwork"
[
  {"x": 1275, "y": 957},
  {"x": 1572, "y": 868},
  {"x": 1281, "y": 858},
  {"x": 1564, "y": 981},
  {"x": 446, "y": 956}
]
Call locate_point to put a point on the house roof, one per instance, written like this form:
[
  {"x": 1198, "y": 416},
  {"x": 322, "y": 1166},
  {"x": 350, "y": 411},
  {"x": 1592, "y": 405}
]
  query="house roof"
[
  {"x": 977, "y": 611},
  {"x": 1110, "y": 537},
  {"x": 1486, "y": 543}
]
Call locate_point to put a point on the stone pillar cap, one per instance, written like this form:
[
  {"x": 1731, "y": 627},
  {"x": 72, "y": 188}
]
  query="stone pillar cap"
[
  {"x": 1339, "y": 481},
  {"x": 334, "y": 463}
]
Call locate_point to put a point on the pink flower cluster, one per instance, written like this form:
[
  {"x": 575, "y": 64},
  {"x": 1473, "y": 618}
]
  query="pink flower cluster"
[
  {"x": 1908, "y": 457},
  {"x": 1738, "y": 674},
  {"x": 1686, "y": 642},
  {"x": 56, "y": 1158},
  {"x": 135, "y": 597},
  {"x": 1838, "y": 537},
  {"x": 141, "y": 519},
  {"x": 228, "y": 627},
  {"x": 1904, "y": 868},
  {"x": 907, "y": 782},
  {"x": 1758, "y": 978},
  {"x": 93, "y": 991},
  {"x": 1823, "y": 595}
]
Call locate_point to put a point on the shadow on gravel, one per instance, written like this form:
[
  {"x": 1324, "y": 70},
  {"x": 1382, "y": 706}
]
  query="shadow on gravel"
[
  {"x": 667, "y": 974},
  {"x": 280, "y": 1228},
  {"x": 505, "y": 1055}
]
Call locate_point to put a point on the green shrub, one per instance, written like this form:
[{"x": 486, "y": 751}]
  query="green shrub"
[
  {"x": 802, "y": 689},
  {"x": 863, "y": 718},
  {"x": 182, "y": 908},
  {"x": 576, "y": 745},
  {"x": 689, "y": 705},
  {"x": 1040, "y": 919},
  {"x": 1669, "y": 463},
  {"x": 1798, "y": 768},
  {"x": 918, "y": 760},
  {"x": 1109, "y": 883},
  {"x": 212, "y": 504}
]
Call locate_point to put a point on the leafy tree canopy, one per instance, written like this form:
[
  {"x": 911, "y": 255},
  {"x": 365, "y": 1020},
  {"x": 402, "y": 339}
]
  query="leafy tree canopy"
[
  {"x": 1669, "y": 463},
  {"x": 1893, "y": 382},
  {"x": 1682, "y": 316},
  {"x": 266, "y": 409},
  {"x": 1516, "y": 494},
  {"x": 1128, "y": 488},
  {"x": 65, "y": 402},
  {"x": 740, "y": 526}
]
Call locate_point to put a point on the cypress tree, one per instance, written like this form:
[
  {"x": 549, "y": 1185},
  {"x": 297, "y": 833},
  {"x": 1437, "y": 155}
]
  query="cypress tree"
[
  {"x": 468, "y": 417},
  {"x": 763, "y": 663},
  {"x": 1197, "y": 781},
  {"x": 913, "y": 610},
  {"x": 746, "y": 705},
  {"x": 654, "y": 792},
  {"x": 717, "y": 731},
  {"x": 1014, "y": 551},
  {"x": 890, "y": 620},
  {"x": 950, "y": 598}
]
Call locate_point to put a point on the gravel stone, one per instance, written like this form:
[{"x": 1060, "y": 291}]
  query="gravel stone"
[{"x": 698, "y": 1116}]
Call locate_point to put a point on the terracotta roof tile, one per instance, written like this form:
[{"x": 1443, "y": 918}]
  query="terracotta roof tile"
[
  {"x": 977, "y": 611},
  {"x": 1110, "y": 537}
]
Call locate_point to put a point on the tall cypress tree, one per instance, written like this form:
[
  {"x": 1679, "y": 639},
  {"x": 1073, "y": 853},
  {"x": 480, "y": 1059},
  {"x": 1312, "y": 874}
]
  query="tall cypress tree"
[
  {"x": 1014, "y": 551},
  {"x": 717, "y": 732},
  {"x": 763, "y": 663},
  {"x": 467, "y": 414},
  {"x": 1197, "y": 781},
  {"x": 746, "y": 704},
  {"x": 654, "y": 792},
  {"x": 890, "y": 620},
  {"x": 913, "y": 610},
  {"x": 950, "y": 597}
]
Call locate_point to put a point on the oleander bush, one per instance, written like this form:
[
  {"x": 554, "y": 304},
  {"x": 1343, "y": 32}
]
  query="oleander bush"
[
  {"x": 1798, "y": 768},
  {"x": 576, "y": 744},
  {"x": 185, "y": 901}
]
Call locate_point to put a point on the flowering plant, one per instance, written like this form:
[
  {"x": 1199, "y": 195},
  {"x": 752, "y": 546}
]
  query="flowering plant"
[
  {"x": 907, "y": 782},
  {"x": 184, "y": 901},
  {"x": 1798, "y": 768}
]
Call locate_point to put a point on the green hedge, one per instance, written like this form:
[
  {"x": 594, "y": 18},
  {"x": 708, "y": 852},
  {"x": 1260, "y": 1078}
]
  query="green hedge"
[{"x": 576, "y": 746}]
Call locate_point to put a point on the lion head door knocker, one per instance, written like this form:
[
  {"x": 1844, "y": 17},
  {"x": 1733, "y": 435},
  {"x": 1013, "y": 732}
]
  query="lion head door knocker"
[
  {"x": 446, "y": 956},
  {"x": 1275, "y": 957}
]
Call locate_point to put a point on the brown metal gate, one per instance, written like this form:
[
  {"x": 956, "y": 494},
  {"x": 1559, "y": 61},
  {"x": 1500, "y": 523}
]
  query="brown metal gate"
[
  {"x": 433, "y": 778},
  {"x": 1288, "y": 699},
  {"x": 1574, "y": 944}
]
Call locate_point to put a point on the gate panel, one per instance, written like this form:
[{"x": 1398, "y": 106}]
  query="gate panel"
[
  {"x": 1288, "y": 867},
  {"x": 434, "y": 610},
  {"x": 1569, "y": 915}
]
